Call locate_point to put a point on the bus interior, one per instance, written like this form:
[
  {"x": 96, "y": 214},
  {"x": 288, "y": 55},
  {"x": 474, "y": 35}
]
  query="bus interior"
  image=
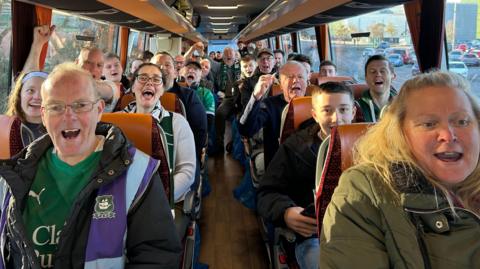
[{"x": 415, "y": 35}]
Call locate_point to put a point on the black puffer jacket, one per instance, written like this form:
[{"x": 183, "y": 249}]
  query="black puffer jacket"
[
  {"x": 290, "y": 176},
  {"x": 152, "y": 240}
]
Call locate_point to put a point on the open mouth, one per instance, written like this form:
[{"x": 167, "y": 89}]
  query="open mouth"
[
  {"x": 70, "y": 134},
  {"x": 148, "y": 93},
  {"x": 448, "y": 156},
  {"x": 190, "y": 77},
  {"x": 114, "y": 74},
  {"x": 35, "y": 105},
  {"x": 379, "y": 83}
]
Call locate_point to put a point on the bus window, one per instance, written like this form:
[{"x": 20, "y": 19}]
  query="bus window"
[
  {"x": 273, "y": 42},
  {"x": 308, "y": 46},
  {"x": 286, "y": 44},
  {"x": 463, "y": 40},
  {"x": 5, "y": 41},
  {"x": 74, "y": 32},
  {"x": 136, "y": 46},
  {"x": 389, "y": 36}
]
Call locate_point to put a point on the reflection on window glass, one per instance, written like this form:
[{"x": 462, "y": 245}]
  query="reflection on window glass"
[
  {"x": 308, "y": 46},
  {"x": 273, "y": 42},
  {"x": 72, "y": 33},
  {"x": 462, "y": 27},
  {"x": 389, "y": 36},
  {"x": 136, "y": 45},
  {"x": 286, "y": 44},
  {"x": 5, "y": 41}
]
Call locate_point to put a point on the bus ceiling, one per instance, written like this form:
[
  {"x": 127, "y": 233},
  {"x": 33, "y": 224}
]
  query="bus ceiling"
[
  {"x": 282, "y": 16},
  {"x": 219, "y": 19},
  {"x": 153, "y": 17}
]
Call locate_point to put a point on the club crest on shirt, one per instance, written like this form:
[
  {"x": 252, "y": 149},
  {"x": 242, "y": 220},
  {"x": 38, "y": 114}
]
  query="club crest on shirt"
[{"x": 104, "y": 207}]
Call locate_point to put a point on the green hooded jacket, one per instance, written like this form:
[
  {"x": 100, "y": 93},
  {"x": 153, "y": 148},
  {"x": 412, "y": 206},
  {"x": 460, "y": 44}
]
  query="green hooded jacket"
[{"x": 366, "y": 226}]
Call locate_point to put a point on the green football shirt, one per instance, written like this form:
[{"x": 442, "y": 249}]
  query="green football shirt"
[{"x": 50, "y": 199}]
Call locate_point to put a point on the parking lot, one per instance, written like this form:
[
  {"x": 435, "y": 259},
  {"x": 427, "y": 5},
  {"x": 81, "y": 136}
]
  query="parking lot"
[{"x": 350, "y": 62}]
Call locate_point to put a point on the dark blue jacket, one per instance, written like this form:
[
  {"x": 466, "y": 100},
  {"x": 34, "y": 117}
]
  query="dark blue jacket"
[
  {"x": 265, "y": 114},
  {"x": 196, "y": 115}
]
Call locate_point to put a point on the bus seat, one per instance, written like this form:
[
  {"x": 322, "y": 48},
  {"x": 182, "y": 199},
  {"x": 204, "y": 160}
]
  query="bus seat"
[
  {"x": 182, "y": 84},
  {"x": 298, "y": 111},
  {"x": 308, "y": 91},
  {"x": 320, "y": 80},
  {"x": 5, "y": 134},
  {"x": 171, "y": 102},
  {"x": 276, "y": 90},
  {"x": 358, "y": 90},
  {"x": 136, "y": 127},
  {"x": 143, "y": 131},
  {"x": 359, "y": 117},
  {"x": 126, "y": 99},
  {"x": 338, "y": 158}
]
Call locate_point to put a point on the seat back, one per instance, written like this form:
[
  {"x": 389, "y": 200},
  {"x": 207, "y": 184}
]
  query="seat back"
[
  {"x": 338, "y": 158},
  {"x": 126, "y": 99},
  {"x": 309, "y": 90},
  {"x": 171, "y": 102},
  {"x": 358, "y": 90},
  {"x": 5, "y": 132},
  {"x": 275, "y": 90},
  {"x": 144, "y": 133},
  {"x": 136, "y": 127},
  {"x": 298, "y": 110},
  {"x": 320, "y": 80},
  {"x": 183, "y": 84}
]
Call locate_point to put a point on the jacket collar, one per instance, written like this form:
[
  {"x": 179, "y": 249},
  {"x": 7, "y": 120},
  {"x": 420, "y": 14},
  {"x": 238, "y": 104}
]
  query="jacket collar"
[
  {"x": 20, "y": 171},
  {"x": 415, "y": 190}
]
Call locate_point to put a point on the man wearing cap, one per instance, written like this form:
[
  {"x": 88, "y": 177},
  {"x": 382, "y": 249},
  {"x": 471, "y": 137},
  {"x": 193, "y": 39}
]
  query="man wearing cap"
[
  {"x": 265, "y": 65},
  {"x": 228, "y": 73}
]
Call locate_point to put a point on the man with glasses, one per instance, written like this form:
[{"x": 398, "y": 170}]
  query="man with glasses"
[
  {"x": 265, "y": 113},
  {"x": 65, "y": 198}
]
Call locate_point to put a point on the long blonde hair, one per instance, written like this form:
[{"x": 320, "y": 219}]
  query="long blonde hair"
[{"x": 385, "y": 143}]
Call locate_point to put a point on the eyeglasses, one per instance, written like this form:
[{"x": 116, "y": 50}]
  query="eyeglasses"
[
  {"x": 261, "y": 59},
  {"x": 293, "y": 77},
  {"x": 156, "y": 80},
  {"x": 56, "y": 109}
]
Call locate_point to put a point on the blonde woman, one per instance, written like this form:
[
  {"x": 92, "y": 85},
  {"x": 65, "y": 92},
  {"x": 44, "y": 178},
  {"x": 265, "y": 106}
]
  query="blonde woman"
[{"x": 412, "y": 200}]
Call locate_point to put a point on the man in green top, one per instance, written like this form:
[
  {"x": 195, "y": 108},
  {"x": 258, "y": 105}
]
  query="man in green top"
[
  {"x": 193, "y": 74},
  {"x": 79, "y": 189},
  {"x": 379, "y": 74}
]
